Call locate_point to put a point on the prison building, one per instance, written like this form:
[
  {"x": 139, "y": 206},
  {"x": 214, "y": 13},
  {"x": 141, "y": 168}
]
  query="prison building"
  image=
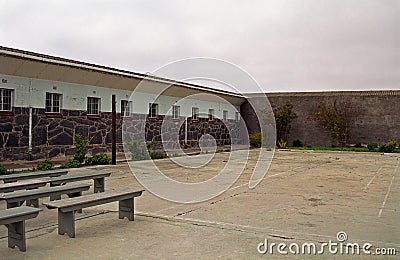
[{"x": 46, "y": 101}]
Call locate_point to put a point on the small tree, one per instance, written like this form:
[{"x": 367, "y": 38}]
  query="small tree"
[
  {"x": 284, "y": 116},
  {"x": 81, "y": 148},
  {"x": 337, "y": 118},
  {"x": 3, "y": 170}
]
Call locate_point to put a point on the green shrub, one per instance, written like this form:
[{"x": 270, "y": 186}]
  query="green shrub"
[
  {"x": 157, "y": 155},
  {"x": 388, "y": 147},
  {"x": 138, "y": 150},
  {"x": 3, "y": 170},
  {"x": 282, "y": 144},
  {"x": 372, "y": 147},
  {"x": 255, "y": 140},
  {"x": 81, "y": 148},
  {"x": 151, "y": 144},
  {"x": 297, "y": 143},
  {"x": 99, "y": 159},
  {"x": 45, "y": 165},
  {"x": 71, "y": 163},
  {"x": 358, "y": 145}
]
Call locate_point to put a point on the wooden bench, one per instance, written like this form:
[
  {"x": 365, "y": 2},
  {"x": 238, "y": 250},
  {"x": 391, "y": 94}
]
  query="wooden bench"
[
  {"x": 31, "y": 175},
  {"x": 22, "y": 185},
  {"x": 98, "y": 179},
  {"x": 67, "y": 207},
  {"x": 16, "y": 199},
  {"x": 14, "y": 219}
]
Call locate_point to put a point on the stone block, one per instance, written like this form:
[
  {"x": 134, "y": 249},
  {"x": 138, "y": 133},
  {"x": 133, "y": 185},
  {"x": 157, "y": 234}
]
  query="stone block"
[
  {"x": 62, "y": 139},
  {"x": 6, "y": 127},
  {"x": 39, "y": 135}
]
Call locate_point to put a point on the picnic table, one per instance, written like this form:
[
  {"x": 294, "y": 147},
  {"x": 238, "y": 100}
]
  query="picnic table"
[
  {"x": 14, "y": 219},
  {"x": 31, "y": 175},
  {"x": 22, "y": 185},
  {"x": 16, "y": 199},
  {"x": 67, "y": 207},
  {"x": 98, "y": 179}
]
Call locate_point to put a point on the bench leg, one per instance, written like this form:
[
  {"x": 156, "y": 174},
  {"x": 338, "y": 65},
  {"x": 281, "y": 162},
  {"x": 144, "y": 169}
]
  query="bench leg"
[
  {"x": 34, "y": 202},
  {"x": 55, "y": 197},
  {"x": 98, "y": 185},
  {"x": 9, "y": 181},
  {"x": 126, "y": 209},
  {"x": 66, "y": 223},
  {"x": 73, "y": 195},
  {"x": 13, "y": 204},
  {"x": 16, "y": 235}
]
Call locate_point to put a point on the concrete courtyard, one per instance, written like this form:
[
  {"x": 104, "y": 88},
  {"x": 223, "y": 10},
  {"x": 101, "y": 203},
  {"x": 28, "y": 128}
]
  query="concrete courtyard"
[{"x": 306, "y": 197}]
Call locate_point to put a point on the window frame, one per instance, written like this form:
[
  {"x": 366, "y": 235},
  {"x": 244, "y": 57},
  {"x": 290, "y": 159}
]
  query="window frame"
[
  {"x": 195, "y": 113},
  {"x": 52, "y": 100},
  {"x": 151, "y": 114},
  {"x": 89, "y": 109},
  {"x": 126, "y": 110},
  {"x": 11, "y": 101},
  {"x": 211, "y": 113},
  {"x": 176, "y": 112},
  {"x": 225, "y": 115},
  {"x": 237, "y": 116}
]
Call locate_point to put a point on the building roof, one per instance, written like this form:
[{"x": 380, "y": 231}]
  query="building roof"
[
  {"x": 35, "y": 65},
  {"x": 328, "y": 93},
  {"x": 23, "y": 63}
]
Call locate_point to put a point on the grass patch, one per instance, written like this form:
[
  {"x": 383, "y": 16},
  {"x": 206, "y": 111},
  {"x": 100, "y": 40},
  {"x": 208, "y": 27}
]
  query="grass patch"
[{"x": 329, "y": 148}]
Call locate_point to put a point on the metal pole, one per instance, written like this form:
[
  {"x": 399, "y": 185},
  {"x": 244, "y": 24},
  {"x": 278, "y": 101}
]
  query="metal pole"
[
  {"x": 113, "y": 134},
  {"x": 30, "y": 133},
  {"x": 30, "y": 122},
  {"x": 186, "y": 130}
]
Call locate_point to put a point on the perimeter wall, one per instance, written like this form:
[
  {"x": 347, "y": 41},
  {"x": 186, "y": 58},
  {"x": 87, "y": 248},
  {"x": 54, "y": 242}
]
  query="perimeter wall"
[{"x": 376, "y": 119}]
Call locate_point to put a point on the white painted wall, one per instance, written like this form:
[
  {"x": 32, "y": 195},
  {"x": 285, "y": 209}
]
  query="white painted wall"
[{"x": 74, "y": 97}]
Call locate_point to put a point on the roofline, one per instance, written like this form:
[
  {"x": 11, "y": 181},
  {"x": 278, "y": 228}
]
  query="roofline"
[
  {"x": 387, "y": 92},
  {"x": 7, "y": 51}
]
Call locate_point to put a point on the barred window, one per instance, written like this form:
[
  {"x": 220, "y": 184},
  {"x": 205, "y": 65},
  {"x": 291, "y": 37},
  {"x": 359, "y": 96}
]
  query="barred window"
[
  {"x": 93, "y": 106},
  {"x": 211, "y": 114},
  {"x": 237, "y": 116},
  {"x": 195, "y": 113},
  {"x": 153, "y": 110},
  {"x": 6, "y": 99},
  {"x": 53, "y": 102},
  {"x": 225, "y": 115},
  {"x": 126, "y": 108},
  {"x": 176, "y": 110}
]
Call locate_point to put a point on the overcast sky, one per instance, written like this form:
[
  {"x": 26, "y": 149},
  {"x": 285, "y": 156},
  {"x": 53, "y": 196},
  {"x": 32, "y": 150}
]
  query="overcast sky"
[{"x": 286, "y": 45}]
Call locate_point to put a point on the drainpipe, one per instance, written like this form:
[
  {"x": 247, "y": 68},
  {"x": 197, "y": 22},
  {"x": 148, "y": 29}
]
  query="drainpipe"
[
  {"x": 30, "y": 122},
  {"x": 186, "y": 122}
]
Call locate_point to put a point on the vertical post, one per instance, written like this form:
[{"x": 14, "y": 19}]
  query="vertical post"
[
  {"x": 113, "y": 134},
  {"x": 186, "y": 130},
  {"x": 30, "y": 134}
]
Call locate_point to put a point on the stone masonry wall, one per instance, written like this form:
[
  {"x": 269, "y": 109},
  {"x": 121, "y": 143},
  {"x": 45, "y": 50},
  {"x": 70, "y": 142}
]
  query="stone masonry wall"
[
  {"x": 377, "y": 119},
  {"x": 53, "y": 134}
]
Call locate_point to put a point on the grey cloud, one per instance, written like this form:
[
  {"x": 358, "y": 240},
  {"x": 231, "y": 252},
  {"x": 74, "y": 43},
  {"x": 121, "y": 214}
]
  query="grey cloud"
[{"x": 285, "y": 45}]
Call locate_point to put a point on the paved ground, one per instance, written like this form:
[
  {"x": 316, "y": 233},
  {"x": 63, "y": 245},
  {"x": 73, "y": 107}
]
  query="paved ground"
[{"x": 306, "y": 197}]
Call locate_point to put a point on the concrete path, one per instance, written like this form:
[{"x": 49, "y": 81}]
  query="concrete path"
[{"x": 306, "y": 197}]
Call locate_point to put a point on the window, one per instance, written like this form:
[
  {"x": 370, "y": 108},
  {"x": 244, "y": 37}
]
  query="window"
[
  {"x": 225, "y": 115},
  {"x": 93, "y": 106},
  {"x": 237, "y": 116},
  {"x": 176, "y": 110},
  {"x": 211, "y": 114},
  {"x": 195, "y": 113},
  {"x": 153, "y": 110},
  {"x": 126, "y": 108},
  {"x": 53, "y": 103},
  {"x": 5, "y": 99}
]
